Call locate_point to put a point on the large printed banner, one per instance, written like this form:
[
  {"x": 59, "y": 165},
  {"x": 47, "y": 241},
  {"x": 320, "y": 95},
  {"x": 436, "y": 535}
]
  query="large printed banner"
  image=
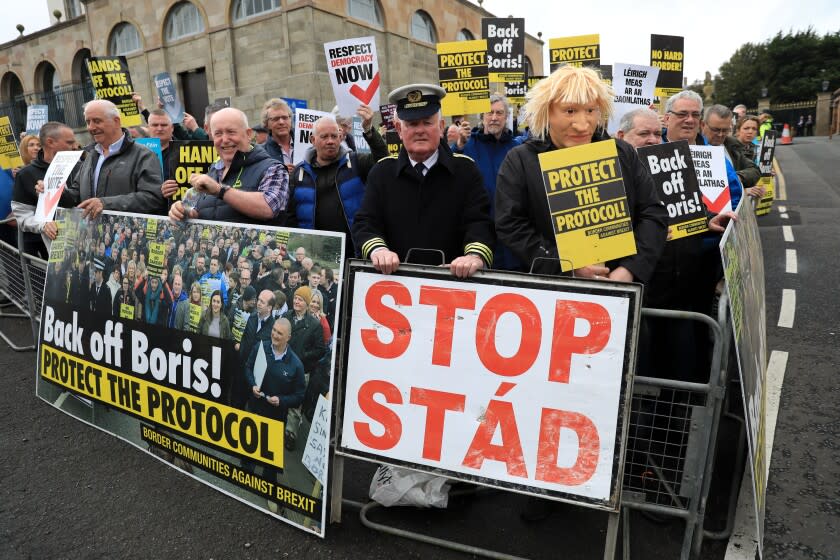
[
  {"x": 666, "y": 53},
  {"x": 766, "y": 153},
  {"x": 588, "y": 204},
  {"x": 354, "y": 73},
  {"x": 633, "y": 85},
  {"x": 743, "y": 269},
  {"x": 304, "y": 128},
  {"x": 9, "y": 154},
  {"x": 672, "y": 170},
  {"x": 462, "y": 67},
  {"x": 126, "y": 350},
  {"x": 581, "y": 50},
  {"x": 507, "y": 381},
  {"x": 710, "y": 168},
  {"x": 505, "y": 48},
  {"x": 112, "y": 81}
]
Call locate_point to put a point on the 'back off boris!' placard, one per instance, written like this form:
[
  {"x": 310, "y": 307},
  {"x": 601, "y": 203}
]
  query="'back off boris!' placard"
[{"x": 588, "y": 204}]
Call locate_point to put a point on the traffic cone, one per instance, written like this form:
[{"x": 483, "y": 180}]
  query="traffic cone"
[{"x": 786, "y": 139}]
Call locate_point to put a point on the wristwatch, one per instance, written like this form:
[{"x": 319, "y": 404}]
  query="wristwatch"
[{"x": 223, "y": 189}]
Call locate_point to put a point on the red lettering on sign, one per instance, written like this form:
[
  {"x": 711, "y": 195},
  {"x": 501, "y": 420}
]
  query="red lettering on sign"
[
  {"x": 389, "y": 318},
  {"x": 447, "y": 301},
  {"x": 380, "y": 413},
  {"x": 565, "y": 343},
  {"x": 509, "y": 451},
  {"x": 529, "y": 343},
  {"x": 436, "y": 403},
  {"x": 589, "y": 445}
]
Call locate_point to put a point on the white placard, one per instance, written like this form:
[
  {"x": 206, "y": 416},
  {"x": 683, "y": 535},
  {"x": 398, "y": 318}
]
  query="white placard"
[
  {"x": 710, "y": 166},
  {"x": 634, "y": 85},
  {"x": 505, "y": 383},
  {"x": 54, "y": 182},
  {"x": 318, "y": 442},
  {"x": 354, "y": 73},
  {"x": 304, "y": 127}
]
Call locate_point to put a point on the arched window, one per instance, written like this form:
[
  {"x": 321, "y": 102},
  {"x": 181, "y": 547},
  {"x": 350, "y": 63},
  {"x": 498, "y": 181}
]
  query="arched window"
[
  {"x": 422, "y": 27},
  {"x": 124, "y": 40},
  {"x": 46, "y": 77},
  {"x": 243, "y": 9},
  {"x": 368, "y": 10},
  {"x": 465, "y": 35},
  {"x": 183, "y": 20}
]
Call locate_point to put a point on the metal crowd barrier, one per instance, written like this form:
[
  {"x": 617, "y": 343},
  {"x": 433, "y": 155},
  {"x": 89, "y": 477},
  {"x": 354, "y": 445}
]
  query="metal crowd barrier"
[
  {"x": 22, "y": 280},
  {"x": 669, "y": 456}
]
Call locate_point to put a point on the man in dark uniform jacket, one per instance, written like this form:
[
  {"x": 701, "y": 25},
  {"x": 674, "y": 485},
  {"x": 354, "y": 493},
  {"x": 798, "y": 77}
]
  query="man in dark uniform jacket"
[{"x": 426, "y": 197}]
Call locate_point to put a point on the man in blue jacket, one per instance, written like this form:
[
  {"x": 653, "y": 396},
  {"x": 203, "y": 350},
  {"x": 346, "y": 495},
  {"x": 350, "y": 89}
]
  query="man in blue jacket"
[
  {"x": 328, "y": 185},
  {"x": 487, "y": 146}
]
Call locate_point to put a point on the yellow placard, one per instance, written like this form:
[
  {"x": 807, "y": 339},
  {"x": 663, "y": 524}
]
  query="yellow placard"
[
  {"x": 126, "y": 311},
  {"x": 9, "y": 154},
  {"x": 195, "y": 315},
  {"x": 765, "y": 203},
  {"x": 588, "y": 204},
  {"x": 462, "y": 67},
  {"x": 242, "y": 433},
  {"x": 581, "y": 50}
]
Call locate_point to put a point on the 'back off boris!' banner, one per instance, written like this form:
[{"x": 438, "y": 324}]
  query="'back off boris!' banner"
[
  {"x": 462, "y": 66},
  {"x": 582, "y": 50},
  {"x": 111, "y": 80},
  {"x": 505, "y": 48},
  {"x": 537, "y": 402},
  {"x": 588, "y": 204},
  {"x": 672, "y": 170}
]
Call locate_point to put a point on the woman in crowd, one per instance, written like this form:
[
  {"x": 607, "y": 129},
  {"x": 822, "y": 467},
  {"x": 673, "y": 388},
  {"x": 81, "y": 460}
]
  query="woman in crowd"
[
  {"x": 29, "y": 147},
  {"x": 746, "y": 132},
  {"x": 316, "y": 307},
  {"x": 188, "y": 312},
  {"x": 125, "y": 304},
  {"x": 213, "y": 320}
]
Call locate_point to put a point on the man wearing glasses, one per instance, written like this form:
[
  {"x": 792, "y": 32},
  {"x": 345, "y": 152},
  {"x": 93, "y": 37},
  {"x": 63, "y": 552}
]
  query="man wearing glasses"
[
  {"x": 277, "y": 119},
  {"x": 487, "y": 146},
  {"x": 717, "y": 128}
]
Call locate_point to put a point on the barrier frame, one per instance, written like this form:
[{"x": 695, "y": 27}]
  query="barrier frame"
[{"x": 16, "y": 287}]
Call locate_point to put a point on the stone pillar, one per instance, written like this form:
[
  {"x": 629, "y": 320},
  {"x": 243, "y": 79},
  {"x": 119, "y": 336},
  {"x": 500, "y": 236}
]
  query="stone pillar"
[
  {"x": 763, "y": 103},
  {"x": 823, "y": 113}
]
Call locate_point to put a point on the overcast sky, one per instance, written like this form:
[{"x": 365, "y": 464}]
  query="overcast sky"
[{"x": 713, "y": 29}]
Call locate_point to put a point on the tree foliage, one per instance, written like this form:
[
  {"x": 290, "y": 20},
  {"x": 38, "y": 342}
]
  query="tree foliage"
[{"x": 791, "y": 66}]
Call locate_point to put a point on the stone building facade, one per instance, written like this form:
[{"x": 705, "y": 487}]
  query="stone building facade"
[{"x": 248, "y": 50}]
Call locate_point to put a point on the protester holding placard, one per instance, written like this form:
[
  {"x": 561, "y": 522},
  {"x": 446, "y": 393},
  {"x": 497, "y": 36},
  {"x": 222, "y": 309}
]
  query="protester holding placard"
[
  {"x": 328, "y": 185},
  {"x": 746, "y": 132},
  {"x": 426, "y": 197},
  {"x": 487, "y": 146},
  {"x": 567, "y": 109},
  {"x": 55, "y": 137},
  {"x": 245, "y": 185}
]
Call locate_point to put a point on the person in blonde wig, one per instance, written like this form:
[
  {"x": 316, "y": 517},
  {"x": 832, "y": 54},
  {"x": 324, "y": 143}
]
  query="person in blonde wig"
[{"x": 564, "y": 110}]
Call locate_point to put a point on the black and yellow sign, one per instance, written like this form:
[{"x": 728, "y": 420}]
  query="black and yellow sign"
[
  {"x": 392, "y": 139},
  {"x": 581, "y": 50},
  {"x": 505, "y": 48},
  {"x": 516, "y": 91},
  {"x": 588, "y": 204},
  {"x": 112, "y": 81},
  {"x": 766, "y": 153},
  {"x": 666, "y": 53},
  {"x": 672, "y": 170},
  {"x": 462, "y": 67},
  {"x": 187, "y": 158},
  {"x": 9, "y": 154}
]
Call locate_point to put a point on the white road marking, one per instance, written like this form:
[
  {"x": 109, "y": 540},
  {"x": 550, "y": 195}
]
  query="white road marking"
[
  {"x": 788, "y": 309},
  {"x": 783, "y": 216},
  {"x": 782, "y": 209},
  {"x": 743, "y": 542},
  {"x": 780, "y": 182},
  {"x": 787, "y": 231},
  {"x": 790, "y": 261}
]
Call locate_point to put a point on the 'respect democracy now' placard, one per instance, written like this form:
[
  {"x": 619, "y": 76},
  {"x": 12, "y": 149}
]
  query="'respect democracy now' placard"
[
  {"x": 512, "y": 381},
  {"x": 462, "y": 67},
  {"x": 588, "y": 204},
  {"x": 163, "y": 379}
]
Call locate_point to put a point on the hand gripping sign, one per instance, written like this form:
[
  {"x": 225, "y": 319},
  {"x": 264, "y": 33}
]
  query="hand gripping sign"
[{"x": 515, "y": 383}]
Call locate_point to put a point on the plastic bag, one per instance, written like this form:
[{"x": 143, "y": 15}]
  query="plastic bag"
[{"x": 393, "y": 486}]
